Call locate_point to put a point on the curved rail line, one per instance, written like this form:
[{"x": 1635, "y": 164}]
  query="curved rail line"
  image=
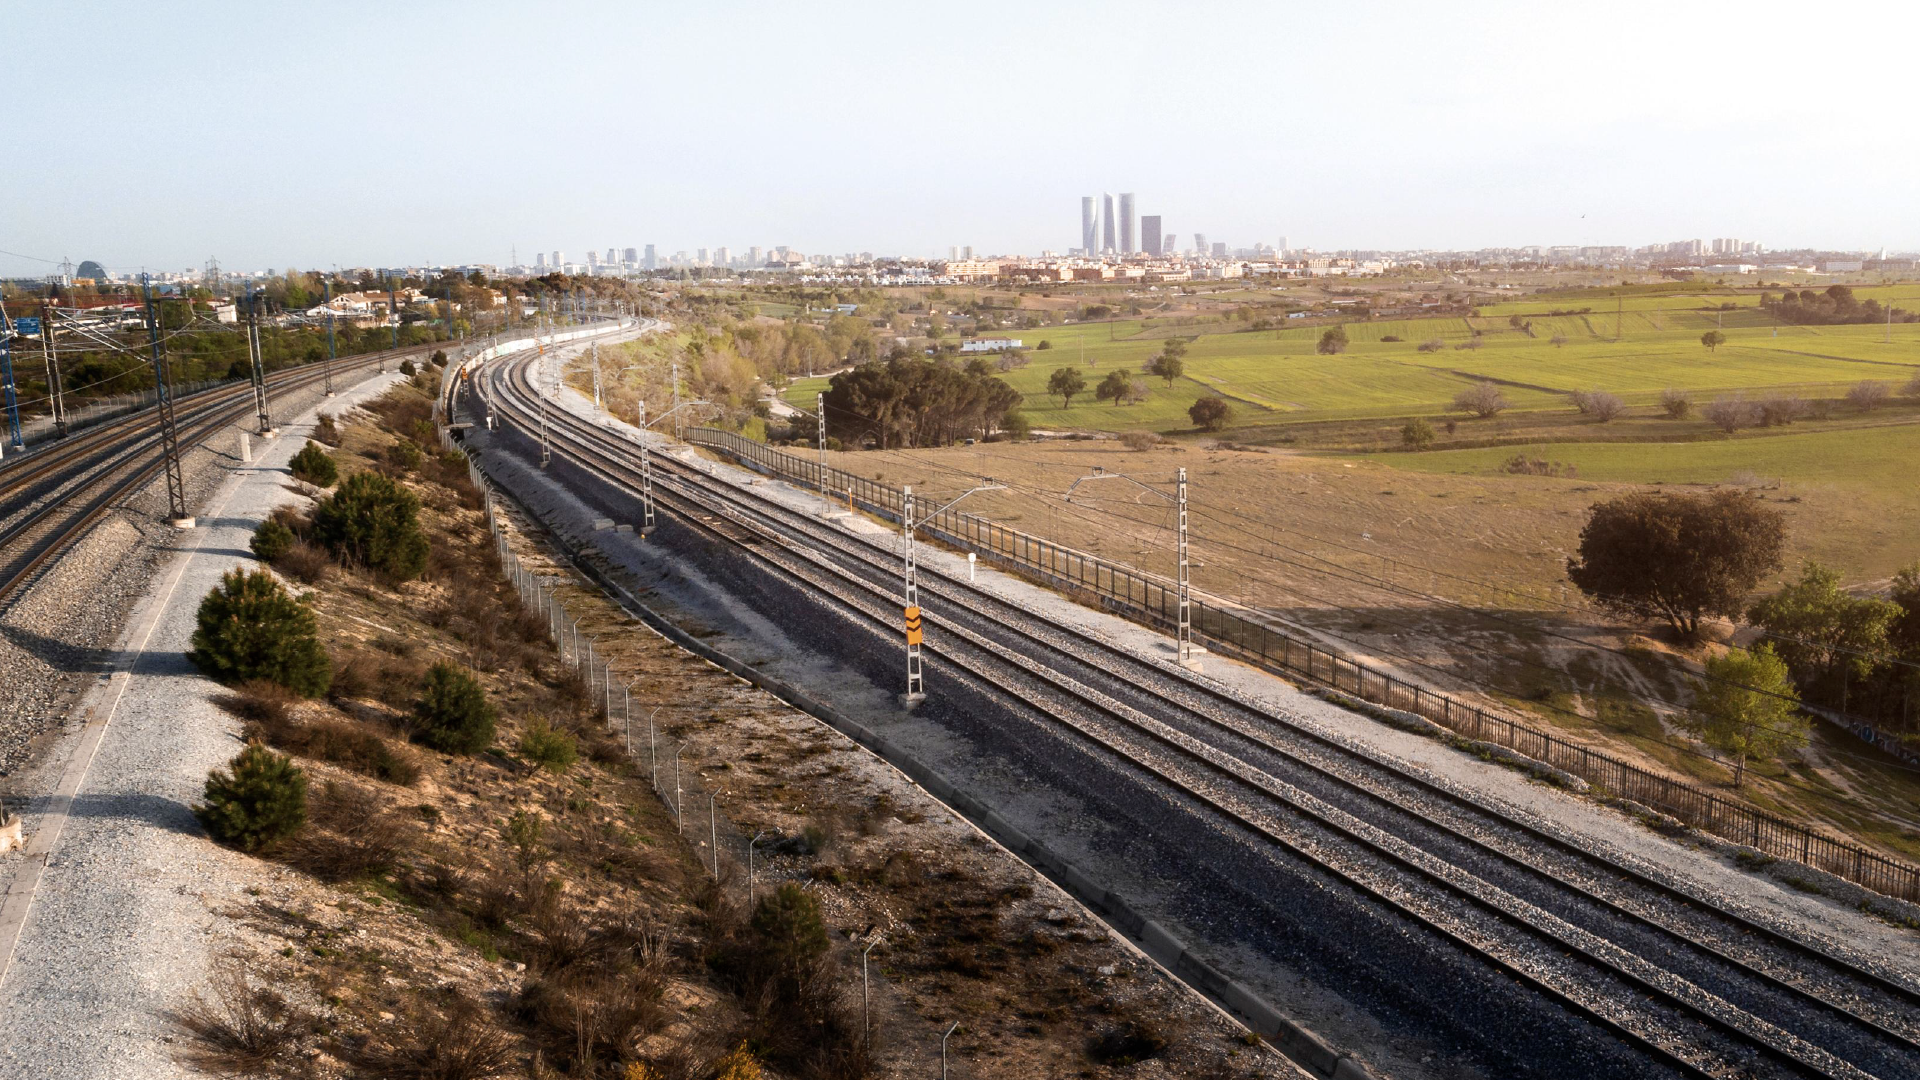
[
  {"x": 103, "y": 466},
  {"x": 1870, "y": 1017}
]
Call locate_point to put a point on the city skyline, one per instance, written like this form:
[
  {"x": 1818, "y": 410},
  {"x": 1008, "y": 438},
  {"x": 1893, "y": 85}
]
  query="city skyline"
[{"x": 1438, "y": 137}]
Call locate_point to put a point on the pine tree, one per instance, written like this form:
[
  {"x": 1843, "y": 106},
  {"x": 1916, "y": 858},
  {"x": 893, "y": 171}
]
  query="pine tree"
[
  {"x": 250, "y": 628},
  {"x": 258, "y": 800}
]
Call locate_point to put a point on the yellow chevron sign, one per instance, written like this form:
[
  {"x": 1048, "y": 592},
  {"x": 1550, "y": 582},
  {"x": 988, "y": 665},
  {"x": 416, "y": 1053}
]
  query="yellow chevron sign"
[{"x": 913, "y": 626}]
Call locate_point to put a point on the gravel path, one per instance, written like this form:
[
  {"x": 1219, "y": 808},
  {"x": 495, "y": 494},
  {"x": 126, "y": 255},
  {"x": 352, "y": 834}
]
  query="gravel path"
[{"x": 111, "y": 918}]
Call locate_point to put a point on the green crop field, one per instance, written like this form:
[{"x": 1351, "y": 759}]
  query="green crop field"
[{"x": 1275, "y": 377}]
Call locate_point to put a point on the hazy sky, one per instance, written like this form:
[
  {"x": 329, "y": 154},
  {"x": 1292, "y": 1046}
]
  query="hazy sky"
[{"x": 158, "y": 134}]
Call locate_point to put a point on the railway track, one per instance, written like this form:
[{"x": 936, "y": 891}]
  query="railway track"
[
  {"x": 1701, "y": 988},
  {"x": 50, "y": 498}
]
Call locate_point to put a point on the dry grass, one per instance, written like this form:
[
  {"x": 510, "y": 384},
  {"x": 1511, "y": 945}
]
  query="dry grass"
[
  {"x": 239, "y": 1026},
  {"x": 350, "y": 834},
  {"x": 458, "y": 1041}
]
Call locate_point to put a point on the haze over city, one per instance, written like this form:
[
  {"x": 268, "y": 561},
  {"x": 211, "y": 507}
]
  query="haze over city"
[{"x": 449, "y": 134}]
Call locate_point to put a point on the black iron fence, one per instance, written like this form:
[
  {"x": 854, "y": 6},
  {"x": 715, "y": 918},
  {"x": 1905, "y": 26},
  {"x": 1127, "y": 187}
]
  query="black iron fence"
[{"x": 1242, "y": 632}]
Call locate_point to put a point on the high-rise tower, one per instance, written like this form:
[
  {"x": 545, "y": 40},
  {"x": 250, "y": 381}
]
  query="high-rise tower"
[
  {"x": 1106, "y": 223},
  {"x": 1089, "y": 233},
  {"x": 1150, "y": 234},
  {"x": 1126, "y": 224}
]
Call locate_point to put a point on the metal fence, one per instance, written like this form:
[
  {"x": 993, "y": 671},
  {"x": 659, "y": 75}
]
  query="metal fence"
[{"x": 1230, "y": 629}]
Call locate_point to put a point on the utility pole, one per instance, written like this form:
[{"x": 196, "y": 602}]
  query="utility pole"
[
  {"x": 646, "y": 476},
  {"x": 393, "y": 312},
  {"x": 908, "y": 523},
  {"x": 820, "y": 406},
  {"x": 163, "y": 403},
  {"x": 594, "y": 349},
  {"x": 916, "y": 688},
  {"x": 546, "y": 441},
  {"x": 329, "y": 306},
  {"x": 50, "y": 351},
  {"x": 259, "y": 364},
  {"x": 13, "y": 399},
  {"x": 676, "y": 397},
  {"x": 1183, "y": 585}
]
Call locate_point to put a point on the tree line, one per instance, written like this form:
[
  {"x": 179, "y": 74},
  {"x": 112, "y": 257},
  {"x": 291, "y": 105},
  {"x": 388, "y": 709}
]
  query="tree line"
[
  {"x": 906, "y": 402},
  {"x": 1836, "y": 306}
]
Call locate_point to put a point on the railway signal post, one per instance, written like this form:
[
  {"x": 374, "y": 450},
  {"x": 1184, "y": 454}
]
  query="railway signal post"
[
  {"x": 259, "y": 365},
  {"x": 916, "y": 689}
]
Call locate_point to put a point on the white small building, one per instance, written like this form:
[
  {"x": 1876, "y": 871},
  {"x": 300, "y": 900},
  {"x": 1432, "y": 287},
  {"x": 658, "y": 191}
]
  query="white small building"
[{"x": 1000, "y": 344}]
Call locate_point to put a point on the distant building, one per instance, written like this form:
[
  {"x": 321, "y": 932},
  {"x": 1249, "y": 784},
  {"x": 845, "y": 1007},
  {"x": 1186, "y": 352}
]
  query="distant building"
[
  {"x": 722, "y": 257},
  {"x": 1199, "y": 243},
  {"x": 652, "y": 261},
  {"x": 1841, "y": 266},
  {"x": 557, "y": 262},
  {"x": 539, "y": 260},
  {"x": 1150, "y": 234},
  {"x": 1126, "y": 224},
  {"x": 989, "y": 345},
  {"x": 1106, "y": 224},
  {"x": 1283, "y": 247},
  {"x": 630, "y": 256},
  {"x": 1088, "y": 223},
  {"x": 1169, "y": 247},
  {"x": 1220, "y": 249}
]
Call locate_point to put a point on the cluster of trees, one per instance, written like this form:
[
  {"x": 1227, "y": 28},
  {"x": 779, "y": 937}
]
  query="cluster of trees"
[
  {"x": 1837, "y": 305},
  {"x": 909, "y": 402},
  {"x": 1687, "y": 558}
]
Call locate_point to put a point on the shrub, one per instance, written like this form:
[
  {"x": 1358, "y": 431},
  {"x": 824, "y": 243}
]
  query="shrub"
[
  {"x": 452, "y": 713},
  {"x": 1557, "y": 340},
  {"x": 462, "y": 1043},
  {"x": 1482, "y": 399},
  {"x": 304, "y": 563},
  {"x": 406, "y": 454},
  {"x": 1044, "y": 344},
  {"x": 1332, "y": 341},
  {"x": 1599, "y": 404},
  {"x": 1677, "y": 403},
  {"x": 439, "y": 358},
  {"x": 1912, "y": 389},
  {"x": 271, "y": 539},
  {"x": 791, "y": 930},
  {"x": 1869, "y": 395},
  {"x": 1139, "y": 440},
  {"x": 1210, "y": 412},
  {"x": 259, "y": 800},
  {"x": 1384, "y": 338},
  {"x": 373, "y": 521},
  {"x": 552, "y": 750},
  {"x": 1417, "y": 435},
  {"x": 245, "y": 1030},
  {"x": 325, "y": 431},
  {"x": 407, "y": 368},
  {"x": 1431, "y": 345},
  {"x": 354, "y": 836},
  {"x": 1730, "y": 414},
  {"x": 1015, "y": 424},
  {"x": 250, "y": 628},
  {"x": 1132, "y": 1042},
  {"x": 314, "y": 465},
  {"x": 1780, "y": 410}
]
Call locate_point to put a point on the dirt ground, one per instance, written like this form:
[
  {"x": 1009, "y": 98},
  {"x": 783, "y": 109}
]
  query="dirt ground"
[
  {"x": 1456, "y": 581},
  {"x": 446, "y": 901}
]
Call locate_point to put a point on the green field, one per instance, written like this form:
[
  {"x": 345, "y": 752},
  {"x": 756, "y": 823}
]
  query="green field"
[{"x": 1275, "y": 377}]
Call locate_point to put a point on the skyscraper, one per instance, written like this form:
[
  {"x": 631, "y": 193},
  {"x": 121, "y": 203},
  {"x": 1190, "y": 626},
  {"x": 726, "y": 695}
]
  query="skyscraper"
[
  {"x": 1199, "y": 243},
  {"x": 652, "y": 261},
  {"x": 1283, "y": 247},
  {"x": 539, "y": 260},
  {"x": 1126, "y": 224},
  {"x": 1169, "y": 247},
  {"x": 1106, "y": 223},
  {"x": 558, "y": 262},
  {"x": 1088, "y": 233},
  {"x": 630, "y": 256},
  {"x": 1150, "y": 234},
  {"x": 722, "y": 258}
]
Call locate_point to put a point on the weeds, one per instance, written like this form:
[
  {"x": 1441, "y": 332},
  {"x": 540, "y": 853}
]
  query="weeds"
[{"x": 238, "y": 1028}]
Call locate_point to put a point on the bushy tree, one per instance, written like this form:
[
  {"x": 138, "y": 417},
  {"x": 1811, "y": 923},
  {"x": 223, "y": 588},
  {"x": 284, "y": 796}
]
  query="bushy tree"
[
  {"x": 1677, "y": 557},
  {"x": 373, "y": 521},
  {"x": 1210, "y": 412},
  {"x": 1730, "y": 414},
  {"x": 271, "y": 539},
  {"x": 1826, "y": 636},
  {"x": 314, "y": 465},
  {"x": 452, "y": 714},
  {"x": 1064, "y": 383},
  {"x": 407, "y": 368},
  {"x": 250, "y": 628},
  {"x": 1482, "y": 399},
  {"x": 1334, "y": 340},
  {"x": 1417, "y": 435},
  {"x": 1745, "y": 708},
  {"x": 1713, "y": 339},
  {"x": 1167, "y": 366},
  {"x": 1678, "y": 404},
  {"x": 1117, "y": 387},
  {"x": 1869, "y": 394},
  {"x": 1599, "y": 404},
  {"x": 257, "y": 801}
]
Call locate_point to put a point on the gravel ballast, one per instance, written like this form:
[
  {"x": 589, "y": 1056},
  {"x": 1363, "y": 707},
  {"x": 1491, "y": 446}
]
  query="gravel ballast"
[{"x": 121, "y": 924}]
